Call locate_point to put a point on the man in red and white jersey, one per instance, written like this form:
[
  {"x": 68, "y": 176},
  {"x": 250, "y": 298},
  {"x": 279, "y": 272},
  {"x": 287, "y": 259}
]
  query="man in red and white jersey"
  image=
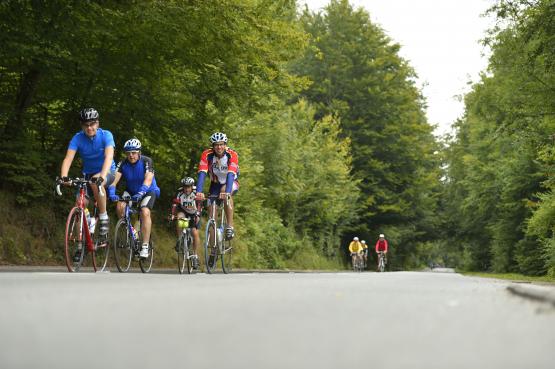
[
  {"x": 381, "y": 246},
  {"x": 222, "y": 164}
]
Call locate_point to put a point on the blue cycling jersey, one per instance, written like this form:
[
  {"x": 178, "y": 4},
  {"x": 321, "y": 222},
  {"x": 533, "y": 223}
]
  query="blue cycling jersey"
[
  {"x": 91, "y": 149},
  {"x": 134, "y": 175}
]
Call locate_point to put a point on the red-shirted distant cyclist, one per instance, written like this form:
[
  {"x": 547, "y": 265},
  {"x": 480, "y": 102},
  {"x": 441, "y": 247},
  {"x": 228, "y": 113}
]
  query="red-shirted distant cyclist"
[{"x": 382, "y": 246}]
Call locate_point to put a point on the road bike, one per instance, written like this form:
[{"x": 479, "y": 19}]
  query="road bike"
[
  {"x": 127, "y": 240},
  {"x": 81, "y": 237},
  {"x": 381, "y": 261},
  {"x": 357, "y": 262},
  {"x": 184, "y": 247},
  {"x": 216, "y": 246}
]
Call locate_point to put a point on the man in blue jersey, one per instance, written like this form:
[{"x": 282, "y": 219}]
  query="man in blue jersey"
[
  {"x": 138, "y": 172},
  {"x": 96, "y": 149}
]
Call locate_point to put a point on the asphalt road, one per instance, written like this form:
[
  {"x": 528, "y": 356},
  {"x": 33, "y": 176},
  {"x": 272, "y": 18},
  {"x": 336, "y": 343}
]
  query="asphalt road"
[{"x": 262, "y": 320}]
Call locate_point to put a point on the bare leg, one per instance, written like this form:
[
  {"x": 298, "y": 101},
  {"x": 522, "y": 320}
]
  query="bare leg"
[{"x": 146, "y": 224}]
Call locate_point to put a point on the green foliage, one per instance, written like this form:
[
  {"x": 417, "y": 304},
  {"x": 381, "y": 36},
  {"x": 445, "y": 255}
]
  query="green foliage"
[{"x": 499, "y": 164}]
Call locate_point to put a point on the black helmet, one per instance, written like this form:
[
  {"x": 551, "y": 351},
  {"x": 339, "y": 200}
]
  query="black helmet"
[{"x": 88, "y": 114}]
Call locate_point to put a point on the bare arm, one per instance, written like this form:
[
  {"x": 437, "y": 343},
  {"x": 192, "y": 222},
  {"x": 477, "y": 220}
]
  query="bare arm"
[
  {"x": 108, "y": 159},
  {"x": 148, "y": 179},
  {"x": 66, "y": 164}
]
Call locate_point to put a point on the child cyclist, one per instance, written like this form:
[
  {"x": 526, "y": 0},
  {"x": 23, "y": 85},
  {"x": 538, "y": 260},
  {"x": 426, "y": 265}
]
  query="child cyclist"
[{"x": 185, "y": 206}]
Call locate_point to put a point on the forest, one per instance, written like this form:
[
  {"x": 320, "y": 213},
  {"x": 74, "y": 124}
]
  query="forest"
[{"x": 326, "y": 116}]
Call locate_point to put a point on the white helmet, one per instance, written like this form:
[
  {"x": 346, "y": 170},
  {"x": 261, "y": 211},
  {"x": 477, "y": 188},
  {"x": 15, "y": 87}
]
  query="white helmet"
[
  {"x": 355, "y": 239},
  {"x": 381, "y": 235},
  {"x": 132, "y": 145},
  {"x": 218, "y": 137},
  {"x": 363, "y": 242}
]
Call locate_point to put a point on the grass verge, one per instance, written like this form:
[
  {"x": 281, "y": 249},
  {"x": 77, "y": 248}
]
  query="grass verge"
[{"x": 515, "y": 277}]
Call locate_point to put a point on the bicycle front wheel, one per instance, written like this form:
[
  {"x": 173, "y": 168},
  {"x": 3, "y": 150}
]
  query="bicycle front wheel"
[
  {"x": 146, "y": 263},
  {"x": 210, "y": 247},
  {"x": 181, "y": 253},
  {"x": 74, "y": 242},
  {"x": 123, "y": 252},
  {"x": 101, "y": 250},
  {"x": 226, "y": 256}
]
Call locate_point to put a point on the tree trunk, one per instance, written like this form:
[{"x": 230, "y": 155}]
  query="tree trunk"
[{"x": 27, "y": 88}]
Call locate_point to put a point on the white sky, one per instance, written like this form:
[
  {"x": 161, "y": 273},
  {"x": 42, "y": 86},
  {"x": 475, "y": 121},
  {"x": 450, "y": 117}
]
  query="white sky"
[{"x": 440, "y": 39}]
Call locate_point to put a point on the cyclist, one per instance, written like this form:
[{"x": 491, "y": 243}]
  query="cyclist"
[
  {"x": 382, "y": 246},
  {"x": 96, "y": 149},
  {"x": 355, "y": 248},
  {"x": 138, "y": 172},
  {"x": 185, "y": 206},
  {"x": 364, "y": 252},
  {"x": 222, "y": 163}
]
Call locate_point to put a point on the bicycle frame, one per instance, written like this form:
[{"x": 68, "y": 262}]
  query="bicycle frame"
[
  {"x": 222, "y": 219},
  {"x": 129, "y": 211}
]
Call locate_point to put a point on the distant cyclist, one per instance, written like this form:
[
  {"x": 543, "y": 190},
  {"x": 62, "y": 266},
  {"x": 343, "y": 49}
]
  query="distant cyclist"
[
  {"x": 185, "y": 206},
  {"x": 364, "y": 252},
  {"x": 96, "y": 149},
  {"x": 222, "y": 164},
  {"x": 355, "y": 248},
  {"x": 382, "y": 246},
  {"x": 138, "y": 172}
]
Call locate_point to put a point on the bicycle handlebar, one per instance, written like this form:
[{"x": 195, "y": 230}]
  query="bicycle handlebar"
[{"x": 76, "y": 182}]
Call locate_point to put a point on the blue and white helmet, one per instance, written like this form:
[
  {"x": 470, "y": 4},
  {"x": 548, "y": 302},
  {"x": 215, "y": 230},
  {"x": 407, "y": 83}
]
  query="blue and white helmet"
[
  {"x": 132, "y": 145},
  {"x": 88, "y": 114},
  {"x": 218, "y": 137}
]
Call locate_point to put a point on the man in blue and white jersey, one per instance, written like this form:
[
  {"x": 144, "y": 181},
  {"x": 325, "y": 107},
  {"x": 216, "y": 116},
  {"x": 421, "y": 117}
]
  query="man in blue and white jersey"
[
  {"x": 96, "y": 149},
  {"x": 138, "y": 172}
]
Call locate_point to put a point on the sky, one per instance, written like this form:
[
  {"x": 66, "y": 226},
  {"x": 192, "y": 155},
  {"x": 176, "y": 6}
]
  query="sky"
[{"x": 441, "y": 41}]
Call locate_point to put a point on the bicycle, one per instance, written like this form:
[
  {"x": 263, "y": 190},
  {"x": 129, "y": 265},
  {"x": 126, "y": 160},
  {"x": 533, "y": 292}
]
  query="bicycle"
[
  {"x": 127, "y": 240},
  {"x": 183, "y": 249},
  {"x": 381, "y": 261},
  {"x": 80, "y": 237},
  {"x": 357, "y": 263},
  {"x": 216, "y": 245}
]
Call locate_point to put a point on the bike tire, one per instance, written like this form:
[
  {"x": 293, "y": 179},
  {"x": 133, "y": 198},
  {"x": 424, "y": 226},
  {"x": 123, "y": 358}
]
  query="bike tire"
[
  {"x": 181, "y": 254},
  {"x": 123, "y": 250},
  {"x": 210, "y": 247},
  {"x": 227, "y": 253},
  {"x": 74, "y": 239},
  {"x": 188, "y": 244},
  {"x": 146, "y": 263},
  {"x": 101, "y": 251}
]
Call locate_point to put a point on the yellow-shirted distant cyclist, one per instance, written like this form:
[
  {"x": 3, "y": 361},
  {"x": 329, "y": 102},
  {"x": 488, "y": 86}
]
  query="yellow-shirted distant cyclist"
[{"x": 355, "y": 248}]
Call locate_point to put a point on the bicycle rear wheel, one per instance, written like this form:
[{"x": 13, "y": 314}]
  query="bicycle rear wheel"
[
  {"x": 181, "y": 253},
  {"x": 74, "y": 240},
  {"x": 101, "y": 250},
  {"x": 210, "y": 247},
  {"x": 123, "y": 252},
  {"x": 146, "y": 263},
  {"x": 226, "y": 256}
]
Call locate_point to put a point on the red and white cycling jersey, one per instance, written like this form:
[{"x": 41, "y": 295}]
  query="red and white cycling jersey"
[{"x": 219, "y": 167}]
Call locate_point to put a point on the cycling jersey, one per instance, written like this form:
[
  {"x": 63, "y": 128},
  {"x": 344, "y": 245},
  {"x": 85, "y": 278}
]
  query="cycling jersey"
[
  {"x": 381, "y": 245},
  {"x": 91, "y": 149},
  {"x": 355, "y": 246},
  {"x": 224, "y": 170},
  {"x": 186, "y": 203},
  {"x": 134, "y": 175}
]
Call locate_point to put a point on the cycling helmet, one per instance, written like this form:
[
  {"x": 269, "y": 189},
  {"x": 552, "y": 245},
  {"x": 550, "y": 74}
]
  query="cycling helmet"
[
  {"x": 363, "y": 242},
  {"x": 132, "y": 145},
  {"x": 187, "y": 181},
  {"x": 218, "y": 137},
  {"x": 88, "y": 114},
  {"x": 355, "y": 239},
  {"x": 381, "y": 235}
]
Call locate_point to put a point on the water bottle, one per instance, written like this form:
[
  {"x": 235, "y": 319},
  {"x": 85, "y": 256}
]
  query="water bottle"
[
  {"x": 88, "y": 215},
  {"x": 92, "y": 224},
  {"x": 220, "y": 234},
  {"x": 135, "y": 233}
]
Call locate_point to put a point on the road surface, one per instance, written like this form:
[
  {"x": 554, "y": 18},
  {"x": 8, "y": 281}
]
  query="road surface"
[{"x": 58, "y": 320}]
